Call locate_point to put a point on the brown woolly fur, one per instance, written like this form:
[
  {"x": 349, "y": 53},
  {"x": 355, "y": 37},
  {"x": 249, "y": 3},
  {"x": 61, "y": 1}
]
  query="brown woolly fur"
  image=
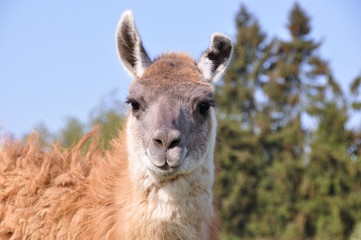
[
  {"x": 59, "y": 194},
  {"x": 164, "y": 66}
]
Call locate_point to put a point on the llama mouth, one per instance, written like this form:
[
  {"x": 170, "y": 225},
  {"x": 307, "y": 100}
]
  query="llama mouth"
[
  {"x": 165, "y": 167},
  {"x": 162, "y": 169},
  {"x": 165, "y": 171}
]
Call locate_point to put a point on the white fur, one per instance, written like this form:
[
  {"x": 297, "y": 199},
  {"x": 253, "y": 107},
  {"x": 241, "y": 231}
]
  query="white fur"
[{"x": 206, "y": 65}]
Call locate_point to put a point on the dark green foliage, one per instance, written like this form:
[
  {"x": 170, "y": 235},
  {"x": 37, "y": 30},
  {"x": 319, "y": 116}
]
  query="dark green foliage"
[
  {"x": 356, "y": 90},
  {"x": 355, "y": 85},
  {"x": 238, "y": 149},
  {"x": 327, "y": 181},
  {"x": 299, "y": 22},
  {"x": 279, "y": 179}
]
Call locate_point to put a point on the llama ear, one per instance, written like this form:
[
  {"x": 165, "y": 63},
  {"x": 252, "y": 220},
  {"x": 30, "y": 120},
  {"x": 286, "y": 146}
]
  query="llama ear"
[
  {"x": 130, "y": 47},
  {"x": 214, "y": 60}
]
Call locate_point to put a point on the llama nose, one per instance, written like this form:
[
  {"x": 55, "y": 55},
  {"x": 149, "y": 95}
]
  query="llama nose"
[{"x": 167, "y": 138}]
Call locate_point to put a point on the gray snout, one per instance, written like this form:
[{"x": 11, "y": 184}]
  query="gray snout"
[
  {"x": 166, "y": 148},
  {"x": 166, "y": 138}
]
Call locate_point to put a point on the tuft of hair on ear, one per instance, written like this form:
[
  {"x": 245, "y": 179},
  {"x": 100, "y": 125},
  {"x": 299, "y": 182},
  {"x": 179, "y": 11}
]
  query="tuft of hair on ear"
[
  {"x": 129, "y": 45},
  {"x": 215, "y": 59}
]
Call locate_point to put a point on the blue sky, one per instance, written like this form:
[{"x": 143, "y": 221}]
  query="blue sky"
[{"x": 58, "y": 58}]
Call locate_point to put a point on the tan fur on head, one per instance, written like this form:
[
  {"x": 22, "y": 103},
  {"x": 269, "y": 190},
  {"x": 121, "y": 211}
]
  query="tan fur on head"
[{"x": 156, "y": 182}]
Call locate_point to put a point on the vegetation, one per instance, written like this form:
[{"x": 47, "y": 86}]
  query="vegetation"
[
  {"x": 108, "y": 117},
  {"x": 278, "y": 177}
]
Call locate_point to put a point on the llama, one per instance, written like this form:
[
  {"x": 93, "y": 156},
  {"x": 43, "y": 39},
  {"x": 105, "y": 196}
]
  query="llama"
[{"x": 155, "y": 183}]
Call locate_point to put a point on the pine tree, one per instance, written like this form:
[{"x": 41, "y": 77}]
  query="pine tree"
[
  {"x": 265, "y": 170},
  {"x": 327, "y": 181},
  {"x": 239, "y": 153},
  {"x": 277, "y": 216}
]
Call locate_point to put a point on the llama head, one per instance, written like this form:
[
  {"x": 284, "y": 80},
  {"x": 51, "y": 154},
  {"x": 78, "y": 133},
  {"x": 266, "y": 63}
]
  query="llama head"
[{"x": 171, "y": 125}]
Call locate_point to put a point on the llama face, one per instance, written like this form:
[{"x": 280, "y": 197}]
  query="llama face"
[
  {"x": 170, "y": 112},
  {"x": 171, "y": 126}
]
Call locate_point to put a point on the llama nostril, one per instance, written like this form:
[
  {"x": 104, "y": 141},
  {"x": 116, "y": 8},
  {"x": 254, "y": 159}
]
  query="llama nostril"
[
  {"x": 174, "y": 143},
  {"x": 158, "y": 142},
  {"x": 174, "y": 138}
]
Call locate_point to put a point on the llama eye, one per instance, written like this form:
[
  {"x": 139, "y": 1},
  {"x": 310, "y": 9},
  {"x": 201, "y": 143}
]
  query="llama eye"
[
  {"x": 203, "y": 108},
  {"x": 135, "y": 106}
]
